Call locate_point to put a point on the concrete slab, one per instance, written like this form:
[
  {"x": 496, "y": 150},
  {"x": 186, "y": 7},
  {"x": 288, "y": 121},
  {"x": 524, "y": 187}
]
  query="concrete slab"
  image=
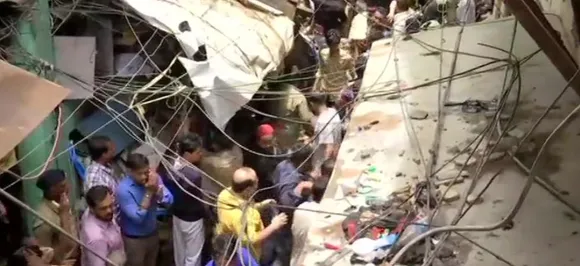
[{"x": 545, "y": 232}]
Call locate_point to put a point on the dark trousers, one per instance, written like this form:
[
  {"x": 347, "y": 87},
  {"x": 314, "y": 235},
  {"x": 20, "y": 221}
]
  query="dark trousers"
[{"x": 277, "y": 250}]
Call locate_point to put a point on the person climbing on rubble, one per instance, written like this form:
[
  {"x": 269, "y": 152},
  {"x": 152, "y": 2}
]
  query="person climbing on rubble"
[
  {"x": 294, "y": 180},
  {"x": 336, "y": 67},
  {"x": 290, "y": 104},
  {"x": 305, "y": 216},
  {"x": 327, "y": 130}
]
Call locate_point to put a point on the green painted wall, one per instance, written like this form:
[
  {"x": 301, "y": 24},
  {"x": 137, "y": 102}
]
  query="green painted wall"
[{"x": 35, "y": 38}]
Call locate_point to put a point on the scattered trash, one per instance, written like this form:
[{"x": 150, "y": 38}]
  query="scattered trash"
[
  {"x": 469, "y": 106},
  {"x": 508, "y": 226},
  {"x": 394, "y": 96}
]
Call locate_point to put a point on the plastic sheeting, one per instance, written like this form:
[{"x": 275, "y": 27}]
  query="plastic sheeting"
[{"x": 243, "y": 45}]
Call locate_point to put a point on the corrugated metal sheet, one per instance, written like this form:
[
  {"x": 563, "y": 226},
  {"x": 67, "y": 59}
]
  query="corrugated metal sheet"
[
  {"x": 243, "y": 45},
  {"x": 25, "y": 101}
]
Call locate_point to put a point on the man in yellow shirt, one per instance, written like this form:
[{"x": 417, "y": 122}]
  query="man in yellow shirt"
[{"x": 237, "y": 215}]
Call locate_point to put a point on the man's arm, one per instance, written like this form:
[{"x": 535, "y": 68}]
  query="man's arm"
[
  {"x": 100, "y": 247},
  {"x": 135, "y": 213},
  {"x": 303, "y": 111},
  {"x": 67, "y": 223},
  {"x": 288, "y": 194},
  {"x": 254, "y": 234}
]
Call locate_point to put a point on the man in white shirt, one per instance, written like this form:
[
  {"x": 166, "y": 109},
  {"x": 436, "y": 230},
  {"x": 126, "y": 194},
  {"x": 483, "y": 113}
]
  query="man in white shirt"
[
  {"x": 327, "y": 130},
  {"x": 304, "y": 217}
]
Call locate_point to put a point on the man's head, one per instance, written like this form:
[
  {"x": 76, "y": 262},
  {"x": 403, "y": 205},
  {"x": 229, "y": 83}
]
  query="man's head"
[
  {"x": 245, "y": 182},
  {"x": 101, "y": 149},
  {"x": 319, "y": 187},
  {"x": 138, "y": 166},
  {"x": 332, "y": 37},
  {"x": 53, "y": 184},
  {"x": 317, "y": 103},
  {"x": 327, "y": 168},
  {"x": 265, "y": 135},
  {"x": 302, "y": 157},
  {"x": 223, "y": 246},
  {"x": 189, "y": 147},
  {"x": 221, "y": 142},
  {"x": 101, "y": 202},
  {"x": 404, "y": 5}
]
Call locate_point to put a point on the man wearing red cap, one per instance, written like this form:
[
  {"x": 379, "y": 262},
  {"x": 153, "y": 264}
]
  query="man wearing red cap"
[
  {"x": 263, "y": 165},
  {"x": 265, "y": 135}
]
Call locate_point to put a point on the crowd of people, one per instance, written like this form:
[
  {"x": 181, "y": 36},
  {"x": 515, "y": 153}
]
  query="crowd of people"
[
  {"x": 246, "y": 218},
  {"x": 227, "y": 205}
]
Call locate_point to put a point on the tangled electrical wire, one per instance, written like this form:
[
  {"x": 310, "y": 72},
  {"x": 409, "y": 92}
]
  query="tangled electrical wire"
[{"x": 182, "y": 91}]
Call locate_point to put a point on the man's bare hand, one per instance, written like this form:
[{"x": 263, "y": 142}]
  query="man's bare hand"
[
  {"x": 280, "y": 220},
  {"x": 302, "y": 187},
  {"x": 64, "y": 204},
  {"x": 32, "y": 259},
  {"x": 152, "y": 184},
  {"x": 390, "y": 17}
]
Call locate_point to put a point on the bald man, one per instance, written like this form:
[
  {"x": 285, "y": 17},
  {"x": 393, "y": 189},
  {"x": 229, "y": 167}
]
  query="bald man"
[{"x": 247, "y": 226}]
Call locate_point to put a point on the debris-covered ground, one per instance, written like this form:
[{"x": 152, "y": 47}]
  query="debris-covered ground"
[{"x": 398, "y": 149}]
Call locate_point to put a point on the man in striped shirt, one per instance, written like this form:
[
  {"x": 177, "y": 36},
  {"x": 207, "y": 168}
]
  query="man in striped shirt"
[
  {"x": 99, "y": 173},
  {"x": 102, "y": 152}
]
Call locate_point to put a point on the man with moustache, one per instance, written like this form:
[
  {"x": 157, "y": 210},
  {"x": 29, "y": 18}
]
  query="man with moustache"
[{"x": 99, "y": 231}]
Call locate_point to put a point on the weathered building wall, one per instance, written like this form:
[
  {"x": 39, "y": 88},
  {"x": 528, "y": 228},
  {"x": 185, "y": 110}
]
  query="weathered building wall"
[{"x": 564, "y": 10}]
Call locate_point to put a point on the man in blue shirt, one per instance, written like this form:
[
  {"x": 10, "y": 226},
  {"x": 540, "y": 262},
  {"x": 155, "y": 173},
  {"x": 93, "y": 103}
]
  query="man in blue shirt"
[
  {"x": 293, "y": 180},
  {"x": 138, "y": 196}
]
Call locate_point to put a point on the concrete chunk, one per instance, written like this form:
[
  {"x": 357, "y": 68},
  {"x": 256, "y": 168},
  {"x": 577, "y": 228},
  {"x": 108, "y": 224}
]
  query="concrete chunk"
[
  {"x": 417, "y": 114},
  {"x": 473, "y": 199},
  {"x": 452, "y": 195},
  {"x": 517, "y": 133},
  {"x": 496, "y": 156},
  {"x": 461, "y": 160}
]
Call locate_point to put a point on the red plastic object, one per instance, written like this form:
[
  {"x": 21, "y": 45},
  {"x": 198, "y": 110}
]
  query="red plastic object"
[
  {"x": 376, "y": 232},
  {"x": 352, "y": 231},
  {"x": 331, "y": 246}
]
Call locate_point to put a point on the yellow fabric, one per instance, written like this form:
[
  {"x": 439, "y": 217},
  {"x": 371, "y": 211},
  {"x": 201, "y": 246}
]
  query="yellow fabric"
[
  {"x": 231, "y": 221},
  {"x": 64, "y": 249}
]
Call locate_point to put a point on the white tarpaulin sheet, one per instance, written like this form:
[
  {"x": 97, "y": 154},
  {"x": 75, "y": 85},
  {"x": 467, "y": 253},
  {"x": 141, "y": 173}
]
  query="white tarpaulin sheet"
[{"x": 242, "y": 44}]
